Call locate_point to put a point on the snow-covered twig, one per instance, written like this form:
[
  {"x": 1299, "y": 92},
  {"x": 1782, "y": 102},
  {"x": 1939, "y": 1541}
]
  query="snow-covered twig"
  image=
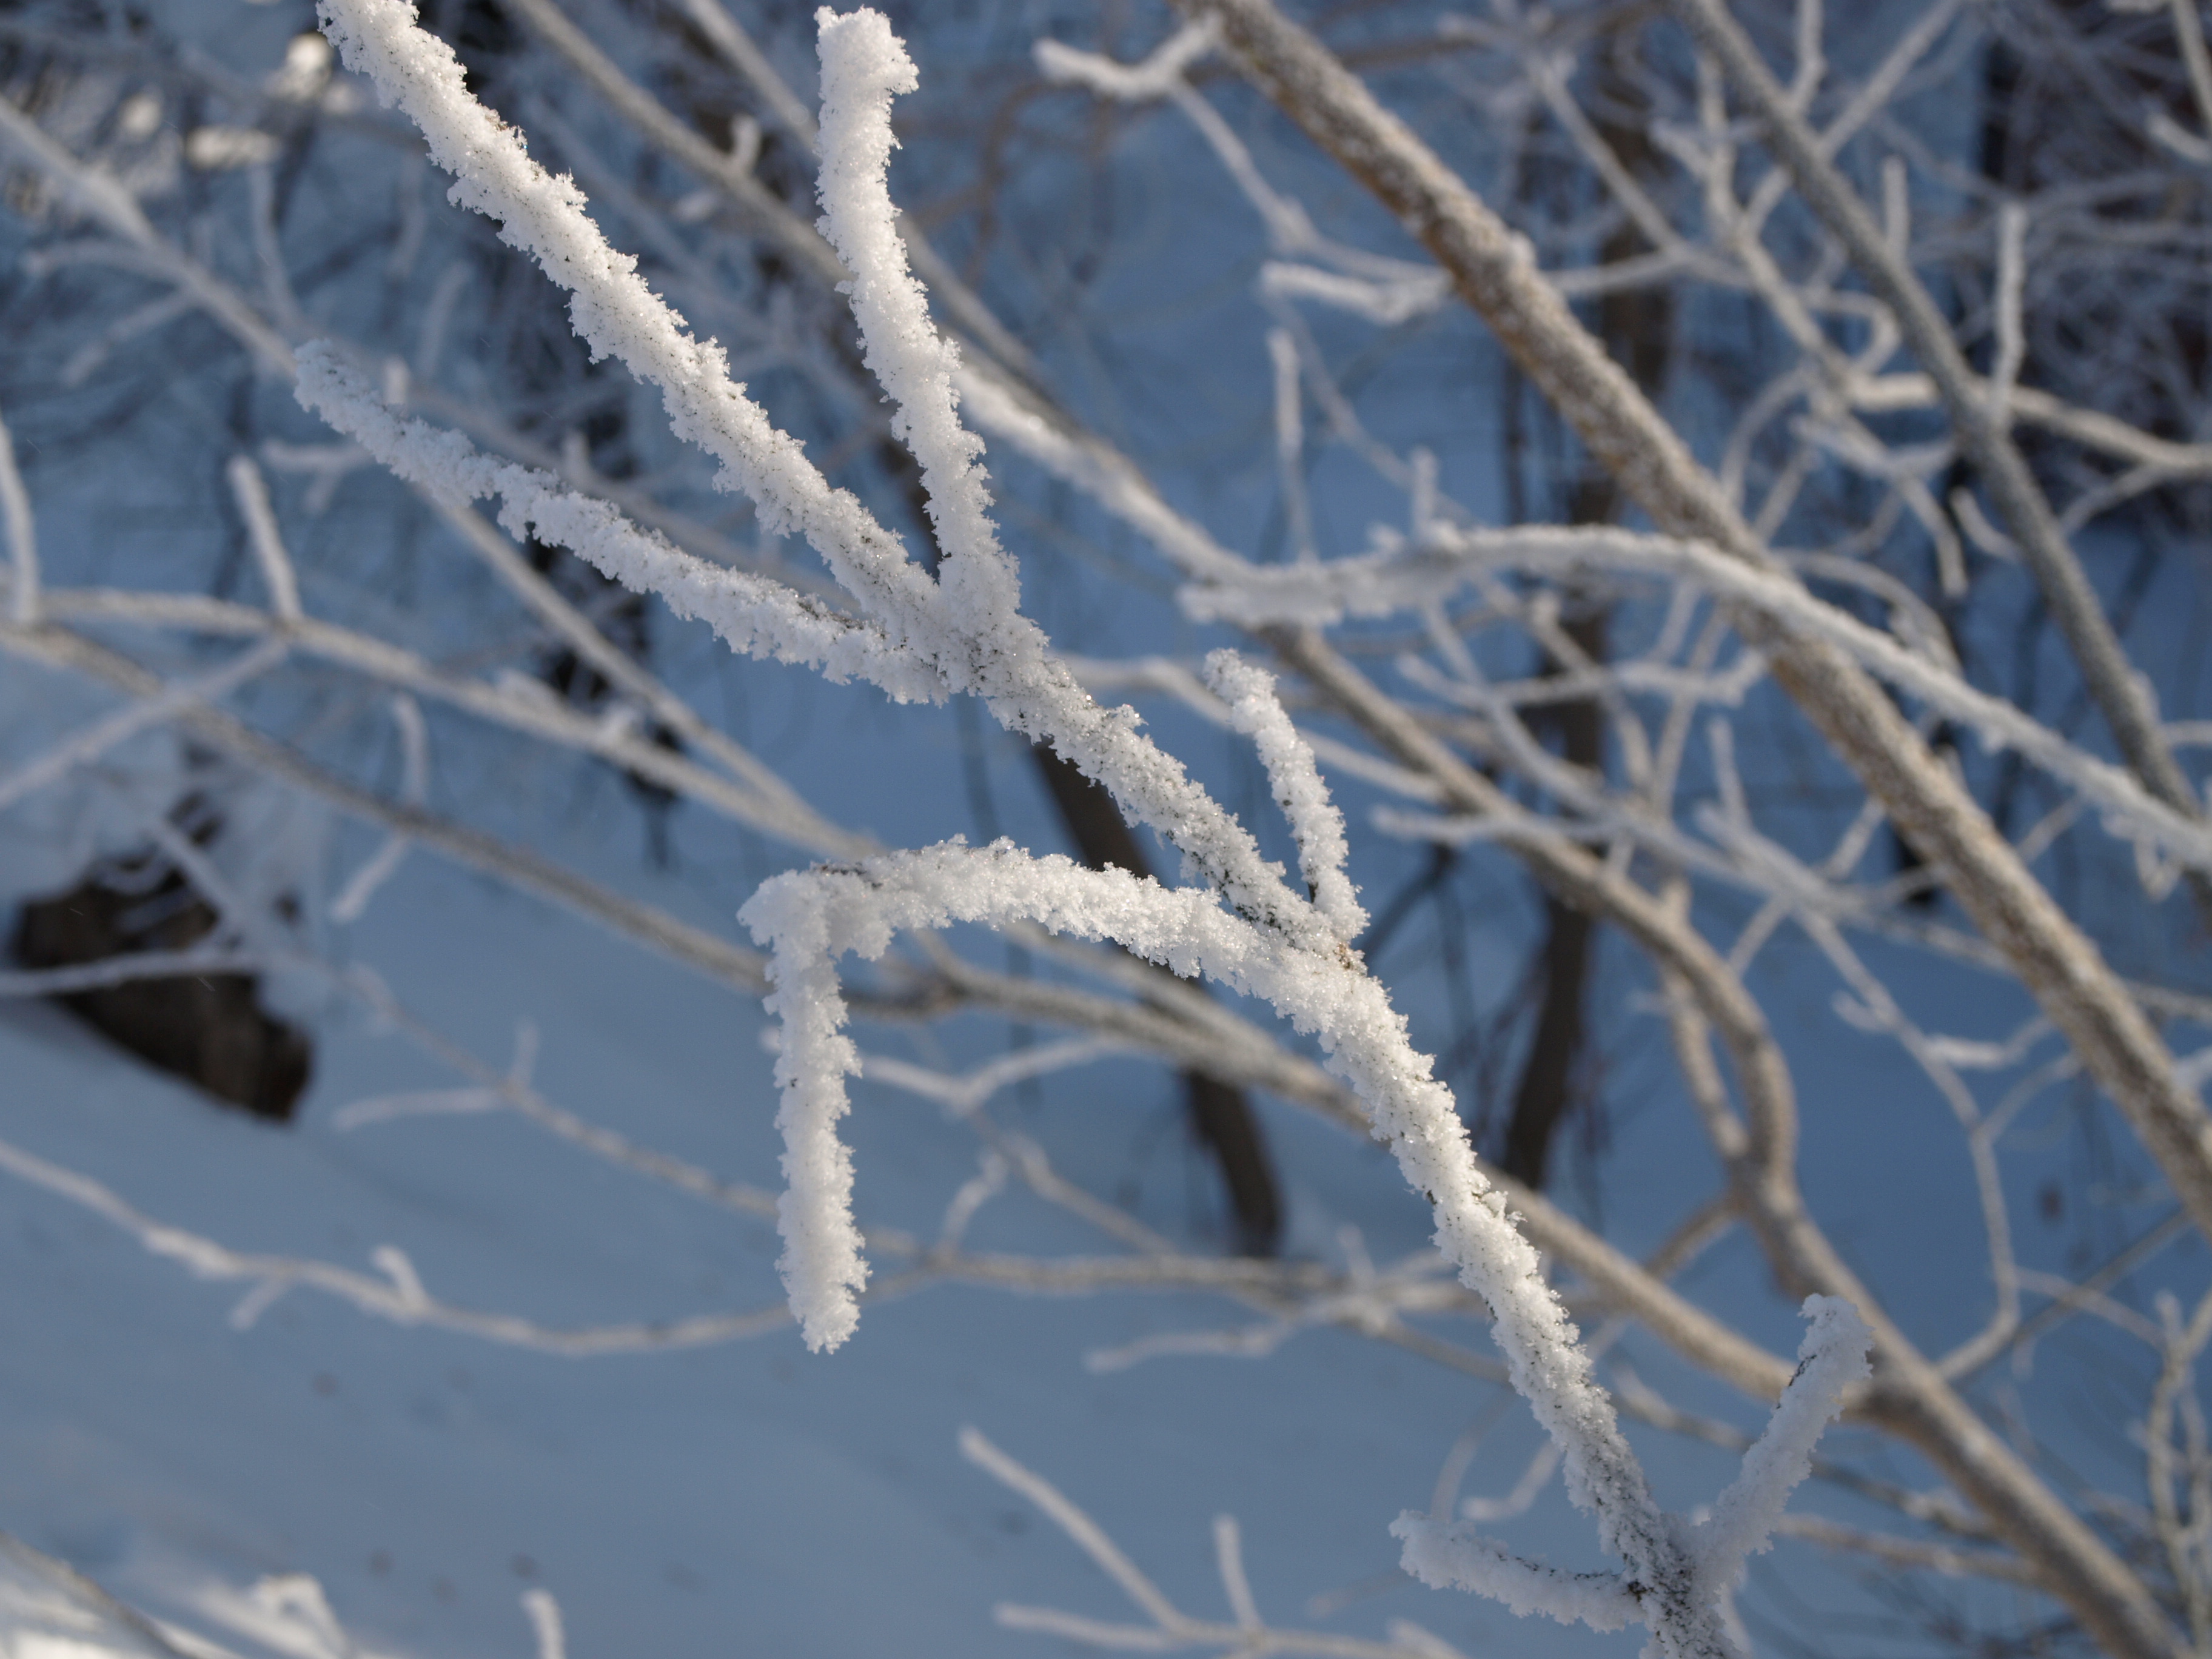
[
  {"x": 2183, "y": 1524},
  {"x": 2073, "y": 602},
  {"x": 1315, "y": 824},
  {"x": 1832, "y": 1359},
  {"x": 513, "y": 1090},
  {"x": 1012, "y": 669},
  {"x": 143, "y": 714},
  {"x": 1394, "y": 577},
  {"x": 1451, "y": 1555},
  {"x": 1169, "y": 1630},
  {"x": 514, "y": 701},
  {"x": 394, "y": 1292},
  {"x": 755, "y": 613},
  {"x": 544, "y": 1614},
  {"x": 250, "y": 491},
  {"x": 864, "y": 66},
  {"x": 128, "y": 968},
  {"x": 810, "y": 918},
  {"x": 414, "y": 786},
  {"x": 22, "y": 531}
]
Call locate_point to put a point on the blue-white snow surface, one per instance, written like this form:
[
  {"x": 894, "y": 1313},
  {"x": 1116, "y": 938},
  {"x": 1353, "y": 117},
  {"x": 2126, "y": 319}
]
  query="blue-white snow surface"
[{"x": 746, "y": 1499}]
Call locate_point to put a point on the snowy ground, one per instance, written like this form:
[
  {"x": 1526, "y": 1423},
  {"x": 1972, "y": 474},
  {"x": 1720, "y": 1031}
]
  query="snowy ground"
[{"x": 746, "y": 1497}]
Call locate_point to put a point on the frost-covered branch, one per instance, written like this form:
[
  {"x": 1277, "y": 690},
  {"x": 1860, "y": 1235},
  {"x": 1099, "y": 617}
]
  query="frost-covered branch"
[
  {"x": 1395, "y": 578},
  {"x": 1315, "y": 821},
  {"x": 171, "y": 702},
  {"x": 1979, "y": 417},
  {"x": 1833, "y": 1357},
  {"x": 250, "y": 491},
  {"x": 811, "y": 919},
  {"x": 1492, "y": 271},
  {"x": 865, "y": 66},
  {"x": 108, "y": 203},
  {"x": 614, "y": 310},
  {"x": 514, "y": 701},
  {"x": 394, "y": 1291},
  {"x": 414, "y": 786},
  {"x": 22, "y": 531},
  {"x": 1168, "y": 1629},
  {"x": 754, "y": 614}
]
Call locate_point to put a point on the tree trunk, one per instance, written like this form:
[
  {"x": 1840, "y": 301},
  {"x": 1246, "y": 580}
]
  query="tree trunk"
[{"x": 1637, "y": 325}]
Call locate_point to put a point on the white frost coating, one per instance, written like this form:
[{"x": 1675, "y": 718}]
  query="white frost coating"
[
  {"x": 756, "y": 615},
  {"x": 612, "y": 308},
  {"x": 1251, "y": 932},
  {"x": 1290, "y": 442},
  {"x": 1397, "y": 574},
  {"x": 1452, "y": 1555},
  {"x": 976, "y": 634},
  {"x": 809, "y": 918},
  {"x": 22, "y": 537},
  {"x": 252, "y": 493},
  {"x": 1296, "y": 780},
  {"x": 1387, "y": 302},
  {"x": 414, "y": 788},
  {"x": 89, "y": 745},
  {"x": 864, "y": 65},
  {"x": 544, "y": 1615},
  {"x": 1157, "y": 76},
  {"x": 616, "y": 314},
  {"x": 1832, "y": 1358},
  {"x": 822, "y": 1267}
]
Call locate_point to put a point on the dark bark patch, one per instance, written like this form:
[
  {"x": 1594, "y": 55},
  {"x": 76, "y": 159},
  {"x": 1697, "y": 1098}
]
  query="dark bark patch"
[{"x": 209, "y": 1028}]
